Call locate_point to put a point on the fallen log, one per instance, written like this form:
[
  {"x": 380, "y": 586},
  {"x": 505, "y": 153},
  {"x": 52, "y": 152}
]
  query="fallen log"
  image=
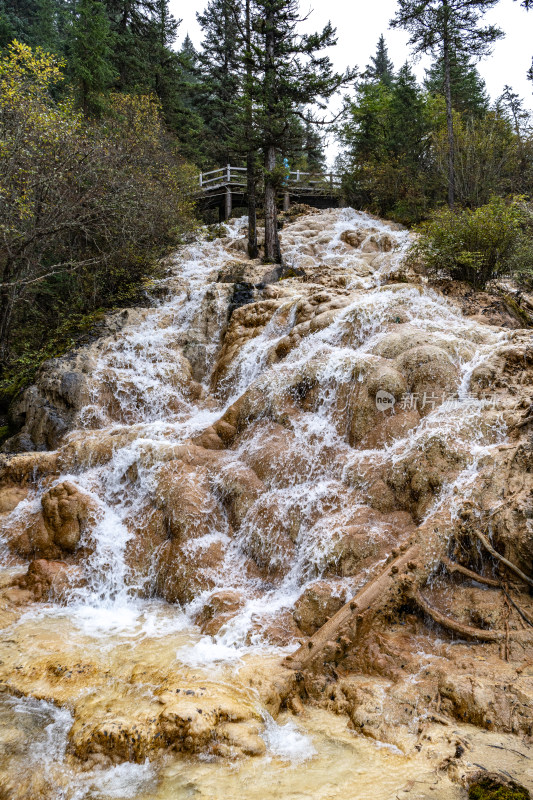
[{"x": 376, "y": 590}]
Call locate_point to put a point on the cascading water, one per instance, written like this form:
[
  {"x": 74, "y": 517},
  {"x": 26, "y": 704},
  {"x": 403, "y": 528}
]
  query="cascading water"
[{"x": 157, "y": 386}]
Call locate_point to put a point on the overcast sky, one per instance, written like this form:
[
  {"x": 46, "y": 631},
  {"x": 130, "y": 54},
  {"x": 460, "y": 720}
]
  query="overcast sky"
[{"x": 360, "y": 22}]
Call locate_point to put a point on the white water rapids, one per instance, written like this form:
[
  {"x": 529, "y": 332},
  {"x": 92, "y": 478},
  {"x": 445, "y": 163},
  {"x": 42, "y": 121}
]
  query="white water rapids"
[{"x": 142, "y": 409}]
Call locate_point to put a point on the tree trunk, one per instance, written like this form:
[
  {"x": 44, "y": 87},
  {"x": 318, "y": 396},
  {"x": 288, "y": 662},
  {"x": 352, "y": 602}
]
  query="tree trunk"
[
  {"x": 272, "y": 248},
  {"x": 252, "y": 215},
  {"x": 449, "y": 114},
  {"x": 6, "y": 310},
  {"x": 250, "y": 156}
]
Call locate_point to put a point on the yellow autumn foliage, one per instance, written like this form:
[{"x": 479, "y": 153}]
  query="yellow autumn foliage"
[{"x": 85, "y": 206}]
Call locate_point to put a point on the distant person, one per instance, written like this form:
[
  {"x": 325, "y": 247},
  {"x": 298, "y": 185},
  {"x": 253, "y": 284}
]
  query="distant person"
[{"x": 287, "y": 171}]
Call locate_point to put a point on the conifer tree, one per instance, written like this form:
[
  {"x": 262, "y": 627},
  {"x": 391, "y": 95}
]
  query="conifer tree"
[
  {"x": 447, "y": 29},
  {"x": 468, "y": 91},
  {"x": 381, "y": 67},
  {"x": 90, "y": 55},
  {"x": 7, "y": 29},
  {"x": 44, "y": 30},
  {"x": 386, "y": 164},
  {"x": 132, "y": 26},
  {"x": 221, "y": 68},
  {"x": 165, "y": 63},
  {"x": 291, "y": 76},
  {"x": 184, "y": 117},
  {"x": 249, "y": 131},
  {"x": 528, "y": 4},
  {"x": 408, "y": 123}
]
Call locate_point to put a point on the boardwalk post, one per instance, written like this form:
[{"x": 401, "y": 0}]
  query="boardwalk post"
[
  {"x": 227, "y": 198},
  {"x": 286, "y": 201},
  {"x": 227, "y": 205}
]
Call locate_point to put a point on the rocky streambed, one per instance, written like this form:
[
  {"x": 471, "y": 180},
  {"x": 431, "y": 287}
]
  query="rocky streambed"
[{"x": 272, "y": 537}]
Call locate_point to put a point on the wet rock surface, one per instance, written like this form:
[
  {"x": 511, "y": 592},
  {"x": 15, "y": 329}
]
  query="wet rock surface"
[{"x": 332, "y": 463}]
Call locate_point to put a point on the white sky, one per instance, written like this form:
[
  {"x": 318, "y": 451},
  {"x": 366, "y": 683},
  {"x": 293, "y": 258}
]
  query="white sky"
[{"x": 360, "y": 22}]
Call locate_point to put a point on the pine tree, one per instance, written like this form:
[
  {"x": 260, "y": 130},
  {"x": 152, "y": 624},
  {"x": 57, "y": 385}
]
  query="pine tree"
[
  {"x": 511, "y": 105},
  {"x": 249, "y": 131},
  {"x": 290, "y": 76},
  {"x": 39, "y": 23},
  {"x": 469, "y": 94},
  {"x": 447, "y": 29},
  {"x": 387, "y": 166},
  {"x": 7, "y": 29},
  {"x": 408, "y": 121},
  {"x": 313, "y": 149},
  {"x": 381, "y": 67},
  {"x": 90, "y": 55},
  {"x": 221, "y": 67},
  {"x": 164, "y": 62},
  {"x": 44, "y": 32},
  {"x": 17, "y": 18},
  {"x": 132, "y": 26},
  {"x": 184, "y": 117}
]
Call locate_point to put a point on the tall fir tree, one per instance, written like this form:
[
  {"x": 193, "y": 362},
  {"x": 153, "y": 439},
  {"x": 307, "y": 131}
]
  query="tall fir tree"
[
  {"x": 386, "y": 163},
  {"x": 132, "y": 26},
  {"x": 247, "y": 115},
  {"x": 7, "y": 28},
  {"x": 291, "y": 76},
  {"x": 408, "y": 119},
  {"x": 448, "y": 29},
  {"x": 381, "y": 67},
  {"x": 90, "y": 55},
  {"x": 165, "y": 63},
  {"x": 222, "y": 67},
  {"x": 468, "y": 91},
  {"x": 184, "y": 117}
]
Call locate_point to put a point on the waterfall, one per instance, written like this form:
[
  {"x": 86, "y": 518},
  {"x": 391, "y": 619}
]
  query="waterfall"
[{"x": 234, "y": 457}]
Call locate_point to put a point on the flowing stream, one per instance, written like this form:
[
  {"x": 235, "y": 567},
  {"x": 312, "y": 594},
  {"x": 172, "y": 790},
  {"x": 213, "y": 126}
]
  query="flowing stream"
[{"x": 141, "y": 409}]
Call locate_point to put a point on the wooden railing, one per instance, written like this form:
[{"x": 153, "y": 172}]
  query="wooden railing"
[{"x": 230, "y": 177}]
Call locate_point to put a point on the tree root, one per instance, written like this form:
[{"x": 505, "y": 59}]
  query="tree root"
[
  {"x": 509, "y": 564},
  {"x": 520, "y": 610},
  {"x": 452, "y": 567},
  {"x": 467, "y": 631}
]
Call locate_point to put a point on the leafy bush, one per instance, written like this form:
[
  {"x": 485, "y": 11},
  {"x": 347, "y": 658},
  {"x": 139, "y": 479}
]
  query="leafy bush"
[{"x": 475, "y": 245}]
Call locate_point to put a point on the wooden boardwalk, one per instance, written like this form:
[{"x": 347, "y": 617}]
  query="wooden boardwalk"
[{"x": 226, "y": 187}]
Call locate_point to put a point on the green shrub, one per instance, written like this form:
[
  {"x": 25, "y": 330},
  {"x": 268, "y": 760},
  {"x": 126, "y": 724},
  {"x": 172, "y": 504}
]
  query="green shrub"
[{"x": 475, "y": 245}]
